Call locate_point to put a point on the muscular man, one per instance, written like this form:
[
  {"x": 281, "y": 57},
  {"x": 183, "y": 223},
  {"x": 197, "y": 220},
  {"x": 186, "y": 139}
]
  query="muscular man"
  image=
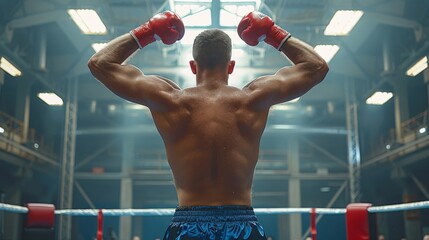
[{"x": 211, "y": 131}]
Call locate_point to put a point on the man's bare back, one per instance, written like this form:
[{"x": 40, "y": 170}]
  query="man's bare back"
[
  {"x": 212, "y": 140},
  {"x": 212, "y": 131}
]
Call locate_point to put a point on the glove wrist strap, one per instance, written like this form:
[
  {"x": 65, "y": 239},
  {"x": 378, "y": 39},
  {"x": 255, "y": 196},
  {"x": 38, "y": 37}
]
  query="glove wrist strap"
[
  {"x": 277, "y": 37},
  {"x": 143, "y": 35}
]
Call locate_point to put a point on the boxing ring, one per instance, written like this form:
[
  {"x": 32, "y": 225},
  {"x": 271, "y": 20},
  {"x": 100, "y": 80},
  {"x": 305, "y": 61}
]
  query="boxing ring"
[{"x": 360, "y": 217}]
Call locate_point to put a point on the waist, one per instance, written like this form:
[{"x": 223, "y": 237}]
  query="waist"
[{"x": 214, "y": 214}]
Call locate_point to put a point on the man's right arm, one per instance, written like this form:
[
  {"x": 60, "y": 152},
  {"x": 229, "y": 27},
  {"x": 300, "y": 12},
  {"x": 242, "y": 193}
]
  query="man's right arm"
[
  {"x": 129, "y": 82},
  {"x": 289, "y": 82}
]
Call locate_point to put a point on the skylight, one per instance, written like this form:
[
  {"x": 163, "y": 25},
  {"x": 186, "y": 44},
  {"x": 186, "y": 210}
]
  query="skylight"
[
  {"x": 193, "y": 13},
  {"x": 190, "y": 34},
  {"x": 232, "y": 12},
  {"x": 197, "y": 13},
  {"x": 327, "y": 52},
  {"x": 343, "y": 22}
]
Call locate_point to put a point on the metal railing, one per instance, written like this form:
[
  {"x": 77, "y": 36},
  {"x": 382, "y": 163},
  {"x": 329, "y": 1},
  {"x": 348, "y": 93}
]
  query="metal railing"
[
  {"x": 15, "y": 139},
  {"x": 411, "y": 130}
]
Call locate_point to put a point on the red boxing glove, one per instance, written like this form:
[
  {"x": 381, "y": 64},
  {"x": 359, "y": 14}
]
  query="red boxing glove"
[
  {"x": 166, "y": 26},
  {"x": 256, "y": 27}
]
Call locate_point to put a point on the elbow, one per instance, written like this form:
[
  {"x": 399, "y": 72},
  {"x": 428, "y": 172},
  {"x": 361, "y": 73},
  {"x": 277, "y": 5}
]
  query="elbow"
[
  {"x": 321, "y": 70},
  {"x": 97, "y": 66},
  {"x": 94, "y": 63}
]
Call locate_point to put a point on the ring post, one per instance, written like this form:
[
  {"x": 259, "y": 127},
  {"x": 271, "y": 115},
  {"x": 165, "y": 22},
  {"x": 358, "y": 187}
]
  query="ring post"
[
  {"x": 100, "y": 225},
  {"x": 360, "y": 224},
  {"x": 313, "y": 224},
  {"x": 40, "y": 222}
]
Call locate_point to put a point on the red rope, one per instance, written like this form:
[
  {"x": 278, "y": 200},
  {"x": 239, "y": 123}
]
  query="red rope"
[
  {"x": 313, "y": 224},
  {"x": 100, "y": 225}
]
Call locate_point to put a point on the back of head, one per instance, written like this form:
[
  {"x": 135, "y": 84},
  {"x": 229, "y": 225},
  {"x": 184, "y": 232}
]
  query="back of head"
[{"x": 212, "y": 49}]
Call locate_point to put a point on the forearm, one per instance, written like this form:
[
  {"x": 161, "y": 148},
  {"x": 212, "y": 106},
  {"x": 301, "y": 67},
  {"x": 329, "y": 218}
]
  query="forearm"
[
  {"x": 116, "y": 51},
  {"x": 300, "y": 52},
  {"x": 256, "y": 26}
]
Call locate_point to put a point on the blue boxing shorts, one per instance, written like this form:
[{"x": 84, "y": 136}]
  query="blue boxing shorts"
[{"x": 214, "y": 223}]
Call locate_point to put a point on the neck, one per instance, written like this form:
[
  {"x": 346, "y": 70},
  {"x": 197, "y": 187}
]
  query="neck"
[{"x": 212, "y": 77}]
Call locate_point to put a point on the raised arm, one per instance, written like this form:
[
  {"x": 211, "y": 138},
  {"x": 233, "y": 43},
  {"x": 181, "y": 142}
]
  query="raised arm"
[
  {"x": 127, "y": 81},
  {"x": 289, "y": 82}
]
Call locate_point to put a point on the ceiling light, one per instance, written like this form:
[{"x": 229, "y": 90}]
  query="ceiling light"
[
  {"x": 422, "y": 130},
  {"x": 343, "y": 22},
  {"x": 9, "y": 67},
  {"x": 379, "y": 98},
  {"x": 283, "y": 107},
  {"x": 51, "y": 99},
  {"x": 417, "y": 68},
  {"x": 1, "y": 130},
  {"x": 327, "y": 52},
  {"x": 135, "y": 107},
  {"x": 88, "y": 21},
  {"x": 98, "y": 46}
]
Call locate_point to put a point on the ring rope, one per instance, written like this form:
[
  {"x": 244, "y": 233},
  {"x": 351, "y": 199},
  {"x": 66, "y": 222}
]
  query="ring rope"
[
  {"x": 399, "y": 207},
  {"x": 170, "y": 211}
]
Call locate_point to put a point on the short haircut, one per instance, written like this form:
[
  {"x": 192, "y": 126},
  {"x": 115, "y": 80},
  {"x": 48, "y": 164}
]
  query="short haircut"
[{"x": 212, "y": 49}]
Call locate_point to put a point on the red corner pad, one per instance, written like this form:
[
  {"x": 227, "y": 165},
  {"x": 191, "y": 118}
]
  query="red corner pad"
[
  {"x": 40, "y": 215},
  {"x": 357, "y": 221}
]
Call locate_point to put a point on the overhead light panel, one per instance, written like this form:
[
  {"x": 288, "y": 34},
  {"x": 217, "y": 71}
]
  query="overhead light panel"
[
  {"x": 343, "y": 22},
  {"x": 9, "y": 67},
  {"x": 51, "y": 99},
  {"x": 379, "y": 98},
  {"x": 98, "y": 46},
  {"x": 88, "y": 21},
  {"x": 283, "y": 107},
  {"x": 419, "y": 67},
  {"x": 135, "y": 107},
  {"x": 327, "y": 52}
]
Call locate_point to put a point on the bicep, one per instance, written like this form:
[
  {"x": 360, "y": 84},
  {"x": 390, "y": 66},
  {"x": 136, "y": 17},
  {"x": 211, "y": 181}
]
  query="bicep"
[{"x": 287, "y": 84}]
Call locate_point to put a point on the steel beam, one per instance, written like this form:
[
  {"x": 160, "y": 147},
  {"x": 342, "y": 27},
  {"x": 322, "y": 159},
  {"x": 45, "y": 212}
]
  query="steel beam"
[
  {"x": 420, "y": 186},
  {"x": 325, "y": 152},
  {"x": 29, "y": 151},
  {"x": 395, "y": 21},
  {"x": 68, "y": 159},
  {"x": 329, "y": 205},
  {"x": 94, "y": 154},
  {"x": 353, "y": 142},
  {"x": 84, "y": 195},
  {"x": 271, "y": 129},
  {"x": 165, "y": 175},
  {"x": 33, "y": 20},
  {"x": 400, "y": 152},
  {"x": 24, "y": 66}
]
